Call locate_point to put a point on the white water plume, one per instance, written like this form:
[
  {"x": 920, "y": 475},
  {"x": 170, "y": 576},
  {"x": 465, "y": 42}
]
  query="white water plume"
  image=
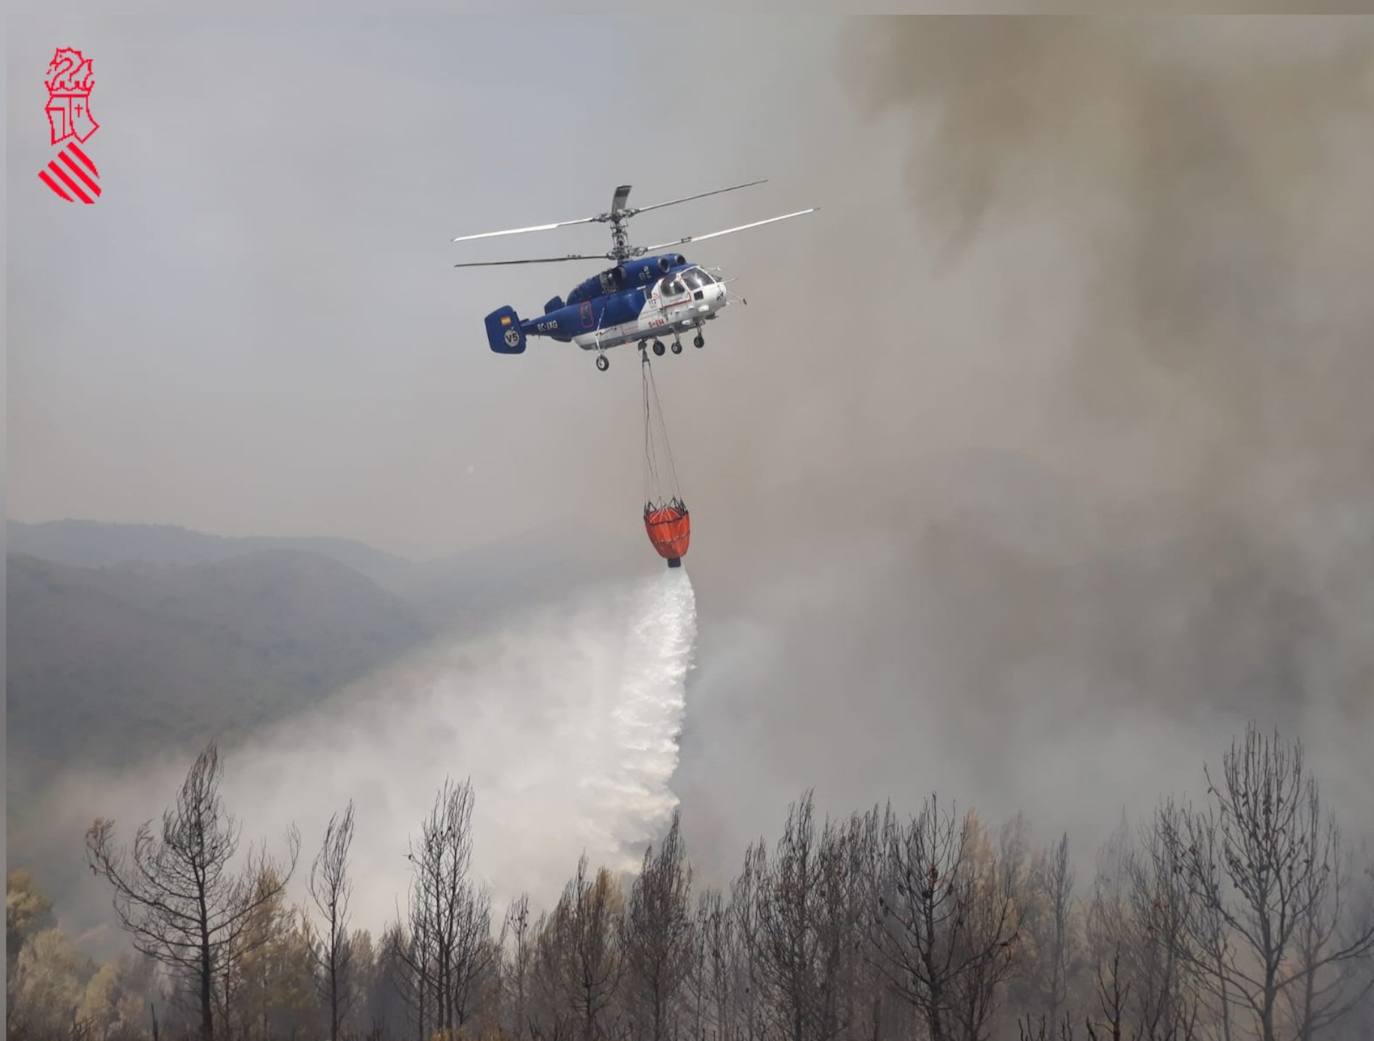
[{"x": 566, "y": 721}]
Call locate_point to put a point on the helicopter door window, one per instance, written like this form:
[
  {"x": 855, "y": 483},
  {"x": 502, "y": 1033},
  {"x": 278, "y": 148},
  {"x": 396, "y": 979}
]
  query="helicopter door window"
[{"x": 672, "y": 287}]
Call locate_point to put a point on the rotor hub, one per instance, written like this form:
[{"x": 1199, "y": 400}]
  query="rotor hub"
[{"x": 620, "y": 238}]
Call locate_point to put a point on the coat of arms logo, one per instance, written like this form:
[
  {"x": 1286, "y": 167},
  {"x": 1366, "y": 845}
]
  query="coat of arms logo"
[{"x": 72, "y": 174}]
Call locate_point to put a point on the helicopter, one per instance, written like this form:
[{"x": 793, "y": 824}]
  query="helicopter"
[{"x": 645, "y": 296}]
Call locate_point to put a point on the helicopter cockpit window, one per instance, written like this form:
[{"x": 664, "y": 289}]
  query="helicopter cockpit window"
[
  {"x": 696, "y": 278},
  {"x": 672, "y": 287}
]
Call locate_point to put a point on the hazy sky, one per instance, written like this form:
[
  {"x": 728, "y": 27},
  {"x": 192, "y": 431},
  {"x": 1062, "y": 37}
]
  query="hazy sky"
[
  {"x": 1037, "y": 463},
  {"x": 258, "y": 328}
]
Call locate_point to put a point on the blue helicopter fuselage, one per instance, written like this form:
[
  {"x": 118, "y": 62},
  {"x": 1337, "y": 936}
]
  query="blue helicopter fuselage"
[{"x": 636, "y": 300}]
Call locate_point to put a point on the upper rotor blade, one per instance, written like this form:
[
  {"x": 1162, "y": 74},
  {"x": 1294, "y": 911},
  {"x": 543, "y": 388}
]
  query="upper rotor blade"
[
  {"x": 521, "y": 231},
  {"x": 533, "y": 260},
  {"x": 728, "y": 231},
  {"x": 689, "y": 198}
]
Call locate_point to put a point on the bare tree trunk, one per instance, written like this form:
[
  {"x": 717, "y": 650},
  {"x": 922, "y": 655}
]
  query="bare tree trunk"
[
  {"x": 946, "y": 920},
  {"x": 207, "y": 1019},
  {"x": 450, "y": 917},
  {"x": 1060, "y": 890},
  {"x": 657, "y": 933},
  {"x": 1262, "y": 864},
  {"x": 178, "y": 900},
  {"x": 331, "y": 892}
]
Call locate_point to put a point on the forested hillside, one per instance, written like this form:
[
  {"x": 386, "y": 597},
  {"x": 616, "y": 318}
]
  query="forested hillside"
[{"x": 107, "y": 663}]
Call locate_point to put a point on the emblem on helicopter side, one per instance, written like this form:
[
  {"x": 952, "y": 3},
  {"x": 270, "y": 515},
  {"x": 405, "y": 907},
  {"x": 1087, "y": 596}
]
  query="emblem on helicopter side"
[{"x": 512, "y": 337}]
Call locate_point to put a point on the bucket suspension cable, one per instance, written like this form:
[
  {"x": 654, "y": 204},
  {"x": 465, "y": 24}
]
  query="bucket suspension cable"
[
  {"x": 665, "y": 514},
  {"x": 658, "y": 452}
]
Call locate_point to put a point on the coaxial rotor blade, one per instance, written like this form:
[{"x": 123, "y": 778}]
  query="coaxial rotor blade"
[
  {"x": 534, "y": 260},
  {"x": 689, "y": 198},
  {"x": 532, "y": 227},
  {"x": 728, "y": 231}
]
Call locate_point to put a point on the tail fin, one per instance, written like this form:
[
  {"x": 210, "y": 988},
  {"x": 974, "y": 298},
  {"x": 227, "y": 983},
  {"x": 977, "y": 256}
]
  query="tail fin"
[{"x": 504, "y": 332}]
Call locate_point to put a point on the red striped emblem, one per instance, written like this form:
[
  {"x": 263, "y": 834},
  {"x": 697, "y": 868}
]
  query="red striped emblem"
[{"x": 72, "y": 176}]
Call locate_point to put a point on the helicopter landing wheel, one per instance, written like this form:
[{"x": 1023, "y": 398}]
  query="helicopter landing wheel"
[
  {"x": 699, "y": 341},
  {"x": 602, "y": 362},
  {"x": 677, "y": 346},
  {"x": 658, "y": 348}
]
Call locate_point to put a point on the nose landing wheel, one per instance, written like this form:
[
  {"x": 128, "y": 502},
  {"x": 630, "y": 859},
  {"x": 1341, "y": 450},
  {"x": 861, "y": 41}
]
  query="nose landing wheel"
[
  {"x": 602, "y": 362},
  {"x": 658, "y": 348},
  {"x": 677, "y": 346},
  {"x": 699, "y": 341}
]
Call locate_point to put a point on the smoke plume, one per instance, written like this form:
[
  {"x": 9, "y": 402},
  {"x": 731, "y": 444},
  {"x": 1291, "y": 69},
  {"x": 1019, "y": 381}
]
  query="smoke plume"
[{"x": 1104, "y": 422}]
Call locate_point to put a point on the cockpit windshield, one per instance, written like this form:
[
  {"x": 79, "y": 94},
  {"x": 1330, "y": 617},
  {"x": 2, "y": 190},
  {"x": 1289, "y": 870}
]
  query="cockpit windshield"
[{"x": 696, "y": 278}]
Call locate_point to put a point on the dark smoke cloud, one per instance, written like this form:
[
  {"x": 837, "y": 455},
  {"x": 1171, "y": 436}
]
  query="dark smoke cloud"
[{"x": 1148, "y": 517}]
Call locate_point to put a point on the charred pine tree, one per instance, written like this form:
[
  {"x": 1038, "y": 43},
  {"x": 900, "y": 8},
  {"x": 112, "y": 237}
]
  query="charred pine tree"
[
  {"x": 1138, "y": 929},
  {"x": 1322, "y": 991},
  {"x": 750, "y": 1001},
  {"x": 331, "y": 891},
  {"x": 1113, "y": 993},
  {"x": 801, "y": 927},
  {"x": 590, "y": 920},
  {"x": 1261, "y": 862},
  {"x": 696, "y": 986},
  {"x": 412, "y": 945},
  {"x": 581, "y": 961},
  {"x": 657, "y": 936},
  {"x": 552, "y": 980},
  {"x": 175, "y": 892},
  {"x": 945, "y": 923},
  {"x": 516, "y": 989},
  {"x": 995, "y": 882},
  {"x": 450, "y": 917},
  {"x": 1163, "y": 961},
  {"x": 868, "y": 1002},
  {"x": 1056, "y": 880},
  {"x": 718, "y": 968}
]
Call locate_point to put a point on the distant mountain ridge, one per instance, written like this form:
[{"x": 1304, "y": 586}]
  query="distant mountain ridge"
[{"x": 85, "y": 543}]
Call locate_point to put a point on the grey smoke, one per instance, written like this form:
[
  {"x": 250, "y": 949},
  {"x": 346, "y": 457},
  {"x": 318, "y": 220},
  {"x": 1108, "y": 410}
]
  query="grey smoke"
[
  {"x": 567, "y": 725},
  {"x": 1112, "y": 497}
]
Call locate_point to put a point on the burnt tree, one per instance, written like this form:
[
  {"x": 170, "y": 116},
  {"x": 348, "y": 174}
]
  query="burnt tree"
[
  {"x": 657, "y": 934},
  {"x": 331, "y": 891},
  {"x": 175, "y": 892},
  {"x": 1263, "y": 863},
  {"x": 946, "y": 921}
]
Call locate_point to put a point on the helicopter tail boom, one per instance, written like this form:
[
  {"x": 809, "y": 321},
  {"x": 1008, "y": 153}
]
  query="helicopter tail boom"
[{"x": 504, "y": 333}]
